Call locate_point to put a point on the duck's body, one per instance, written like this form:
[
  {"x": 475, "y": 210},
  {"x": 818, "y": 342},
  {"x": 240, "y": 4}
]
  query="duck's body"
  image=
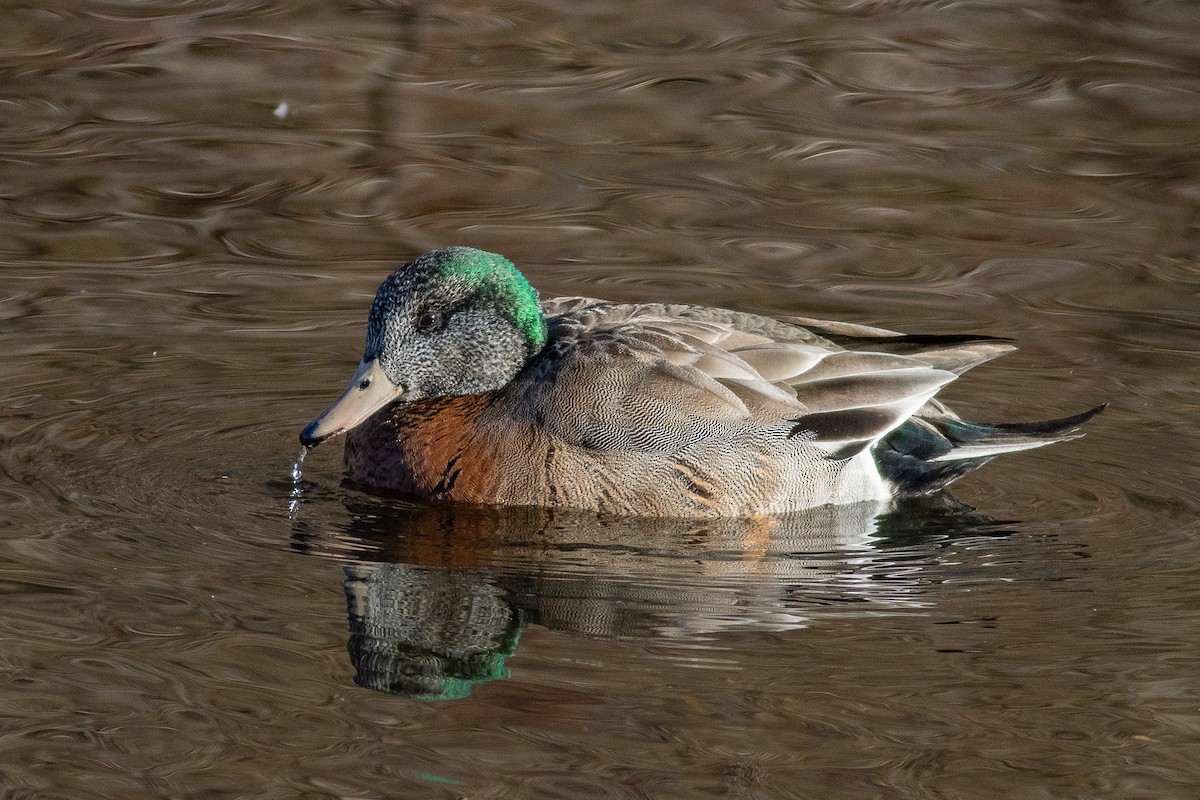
[{"x": 471, "y": 391}]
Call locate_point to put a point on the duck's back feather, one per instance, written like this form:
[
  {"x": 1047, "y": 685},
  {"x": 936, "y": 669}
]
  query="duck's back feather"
[{"x": 776, "y": 416}]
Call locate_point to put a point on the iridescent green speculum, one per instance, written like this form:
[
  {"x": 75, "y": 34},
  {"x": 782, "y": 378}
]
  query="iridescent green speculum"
[{"x": 496, "y": 275}]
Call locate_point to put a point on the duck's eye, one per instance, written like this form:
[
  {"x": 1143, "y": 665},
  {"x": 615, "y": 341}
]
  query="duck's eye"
[{"x": 429, "y": 320}]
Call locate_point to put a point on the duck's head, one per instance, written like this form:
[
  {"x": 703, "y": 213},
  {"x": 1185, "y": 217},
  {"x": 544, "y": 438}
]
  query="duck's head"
[{"x": 454, "y": 321}]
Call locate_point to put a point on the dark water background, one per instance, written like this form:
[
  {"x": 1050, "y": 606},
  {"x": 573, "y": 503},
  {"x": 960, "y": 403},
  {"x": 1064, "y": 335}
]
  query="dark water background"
[{"x": 197, "y": 201}]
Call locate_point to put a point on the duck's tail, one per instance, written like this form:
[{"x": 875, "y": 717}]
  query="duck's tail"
[{"x": 935, "y": 447}]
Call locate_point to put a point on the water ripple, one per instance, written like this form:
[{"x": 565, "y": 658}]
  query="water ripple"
[{"x": 201, "y": 200}]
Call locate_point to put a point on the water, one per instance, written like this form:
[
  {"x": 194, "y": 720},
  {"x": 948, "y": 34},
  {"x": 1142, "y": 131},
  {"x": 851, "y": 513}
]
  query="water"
[
  {"x": 297, "y": 490},
  {"x": 197, "y": 202}
]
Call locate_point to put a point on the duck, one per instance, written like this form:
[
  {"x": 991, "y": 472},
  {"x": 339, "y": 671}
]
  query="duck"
[{"x": 472, "y": 389}]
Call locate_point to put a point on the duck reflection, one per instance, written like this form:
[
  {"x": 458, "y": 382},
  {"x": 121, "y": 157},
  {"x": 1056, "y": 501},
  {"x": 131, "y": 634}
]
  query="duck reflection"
[
  {"x": 426, "y": 632},
  {"x": 438, "y": 595}
]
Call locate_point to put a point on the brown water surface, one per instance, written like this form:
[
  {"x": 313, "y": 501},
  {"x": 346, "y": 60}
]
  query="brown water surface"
[{"x": 197, "y": 201}]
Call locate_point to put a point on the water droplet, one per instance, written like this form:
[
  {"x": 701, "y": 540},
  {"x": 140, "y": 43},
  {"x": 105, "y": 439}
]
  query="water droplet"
[
  {"x": 296, "y": 468},
  {"x": 297, "y": 492}
]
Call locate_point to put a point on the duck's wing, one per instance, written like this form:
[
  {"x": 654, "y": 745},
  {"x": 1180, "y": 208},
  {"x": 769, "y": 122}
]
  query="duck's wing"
[
  {"x": 956, "y": 353},
  {"x": 656, "y": 377}
]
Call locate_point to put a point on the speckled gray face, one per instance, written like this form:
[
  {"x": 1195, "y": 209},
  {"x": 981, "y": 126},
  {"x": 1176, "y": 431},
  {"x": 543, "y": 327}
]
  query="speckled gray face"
[{"x": 453, "y": 322}]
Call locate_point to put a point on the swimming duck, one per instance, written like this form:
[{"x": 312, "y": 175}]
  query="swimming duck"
[{"x": 472, "y": 390}]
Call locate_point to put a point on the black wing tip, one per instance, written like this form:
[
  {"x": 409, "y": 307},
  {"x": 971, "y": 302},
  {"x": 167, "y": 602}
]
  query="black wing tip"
[
  {"x": 1050, "y": 427},
  {"x": 946, "y": 338},
  {"x": 905, "y": 342}
]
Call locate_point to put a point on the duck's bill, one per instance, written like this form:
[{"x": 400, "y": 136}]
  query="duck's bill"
[{"x": 369, "y": 390}]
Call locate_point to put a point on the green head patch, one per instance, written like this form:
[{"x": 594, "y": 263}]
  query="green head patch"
[{"x": 496, "y": 278}]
